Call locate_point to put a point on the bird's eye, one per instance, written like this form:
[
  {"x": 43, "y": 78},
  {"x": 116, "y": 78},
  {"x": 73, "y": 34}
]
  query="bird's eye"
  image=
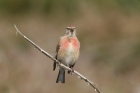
[{"x": 68, "y": 28}]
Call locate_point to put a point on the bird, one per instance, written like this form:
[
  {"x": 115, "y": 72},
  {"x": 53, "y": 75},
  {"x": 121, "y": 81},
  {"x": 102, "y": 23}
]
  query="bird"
[{"x": 67, "y": 52}]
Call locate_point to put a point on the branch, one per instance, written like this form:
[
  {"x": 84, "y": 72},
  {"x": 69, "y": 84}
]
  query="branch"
[{"x": 94, "y": 85}]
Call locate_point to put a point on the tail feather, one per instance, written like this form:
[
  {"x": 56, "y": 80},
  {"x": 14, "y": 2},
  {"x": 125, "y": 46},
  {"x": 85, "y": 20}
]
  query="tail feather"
[{"x": 61, "y": 77}]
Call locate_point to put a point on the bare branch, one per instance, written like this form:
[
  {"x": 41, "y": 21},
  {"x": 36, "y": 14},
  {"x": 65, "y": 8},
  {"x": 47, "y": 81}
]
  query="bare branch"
[{"x": 94, "y": 85}]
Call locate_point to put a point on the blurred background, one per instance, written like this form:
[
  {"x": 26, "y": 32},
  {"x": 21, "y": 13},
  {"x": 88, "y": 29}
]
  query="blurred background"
[{"x": 109, "y": 33}]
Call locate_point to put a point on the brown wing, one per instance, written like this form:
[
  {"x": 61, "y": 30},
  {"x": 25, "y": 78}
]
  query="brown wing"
[{"x": 56, "y": 52}]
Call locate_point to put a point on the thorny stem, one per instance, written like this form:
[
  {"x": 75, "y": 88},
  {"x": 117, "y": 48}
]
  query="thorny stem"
[{"x": 94, "y": 85}]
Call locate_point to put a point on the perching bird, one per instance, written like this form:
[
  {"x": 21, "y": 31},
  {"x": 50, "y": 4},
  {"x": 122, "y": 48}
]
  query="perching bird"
[{"x": 67, "y": 52}]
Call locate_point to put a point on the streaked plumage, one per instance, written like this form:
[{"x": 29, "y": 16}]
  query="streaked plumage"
[{"x": 67, "y": 52}]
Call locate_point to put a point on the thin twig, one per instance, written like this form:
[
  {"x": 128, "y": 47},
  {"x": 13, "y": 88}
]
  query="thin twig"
[{"x": 94, "y": 85}]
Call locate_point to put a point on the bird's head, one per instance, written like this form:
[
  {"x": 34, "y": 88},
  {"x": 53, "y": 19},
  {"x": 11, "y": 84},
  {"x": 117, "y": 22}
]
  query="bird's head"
[{"x": 71, "y": 31}]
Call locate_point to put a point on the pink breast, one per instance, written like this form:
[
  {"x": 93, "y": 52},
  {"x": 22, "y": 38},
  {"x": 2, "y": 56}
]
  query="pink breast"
[{"x": 66, "y": 42}]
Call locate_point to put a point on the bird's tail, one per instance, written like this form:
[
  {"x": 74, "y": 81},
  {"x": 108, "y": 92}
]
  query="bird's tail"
[{"x": 61, "y": 77}]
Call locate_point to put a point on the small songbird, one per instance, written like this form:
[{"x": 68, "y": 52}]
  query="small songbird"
[{"x": 67, "y": 52}]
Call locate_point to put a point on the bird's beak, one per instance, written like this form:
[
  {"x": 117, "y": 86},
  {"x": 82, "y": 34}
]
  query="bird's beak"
[{"x": 72, "y": 30}]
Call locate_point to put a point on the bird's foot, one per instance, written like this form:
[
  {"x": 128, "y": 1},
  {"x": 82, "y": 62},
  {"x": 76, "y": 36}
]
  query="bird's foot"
[{"x": 71, "y": 72}]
